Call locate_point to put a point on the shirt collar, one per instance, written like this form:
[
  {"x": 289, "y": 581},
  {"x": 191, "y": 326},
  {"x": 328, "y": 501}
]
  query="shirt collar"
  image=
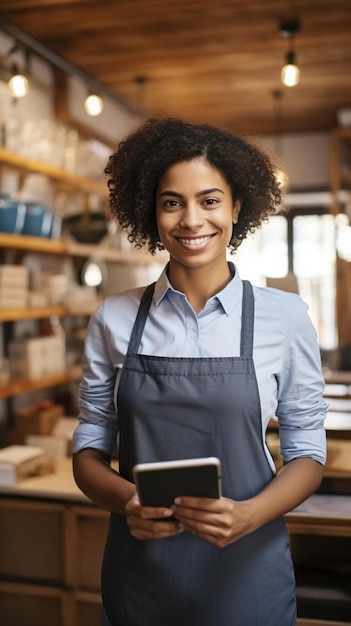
[{"x": 229, "y": 297}]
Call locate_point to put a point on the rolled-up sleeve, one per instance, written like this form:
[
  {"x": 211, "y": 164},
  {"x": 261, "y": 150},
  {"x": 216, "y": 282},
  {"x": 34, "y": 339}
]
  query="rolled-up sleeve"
[
  {"x": 98, "y": 422},
  {"x": 302, "y": 409}
]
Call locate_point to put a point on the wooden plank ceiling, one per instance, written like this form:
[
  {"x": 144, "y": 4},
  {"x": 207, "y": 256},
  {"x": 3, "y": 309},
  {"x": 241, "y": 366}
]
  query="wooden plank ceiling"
[{"x": 212, "y": 61}]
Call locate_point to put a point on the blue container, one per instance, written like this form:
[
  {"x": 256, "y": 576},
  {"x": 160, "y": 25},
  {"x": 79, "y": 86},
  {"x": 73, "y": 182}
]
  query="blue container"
[
  {"x": 12, "y": 216},
  {"x": 38, "y": 220}
]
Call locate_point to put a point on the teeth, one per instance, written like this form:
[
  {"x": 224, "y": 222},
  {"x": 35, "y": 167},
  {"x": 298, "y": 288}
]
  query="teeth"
[{"x": 194, "y": 242}]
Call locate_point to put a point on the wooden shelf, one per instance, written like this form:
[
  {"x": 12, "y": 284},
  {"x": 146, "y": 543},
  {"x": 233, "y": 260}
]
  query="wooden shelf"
[
  {"x": 73, "y": 249},
  {"x": 14, "y": 315},
  {"x": 81, "y": 183},
  {"x": 32, "y": 244},
  {"x": 18, "y": 387},
  {"x": 115, "y": 256}
]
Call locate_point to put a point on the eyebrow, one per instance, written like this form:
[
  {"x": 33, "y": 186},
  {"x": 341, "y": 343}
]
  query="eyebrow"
[{"x": 174, "y": 194}]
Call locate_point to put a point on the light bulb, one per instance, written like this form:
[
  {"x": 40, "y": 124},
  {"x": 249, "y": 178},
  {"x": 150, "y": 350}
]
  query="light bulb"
[
  {"x": 18, "y": 85},
  {"x": 93, "y": 104},
  {"x": 290, "y": 75}
]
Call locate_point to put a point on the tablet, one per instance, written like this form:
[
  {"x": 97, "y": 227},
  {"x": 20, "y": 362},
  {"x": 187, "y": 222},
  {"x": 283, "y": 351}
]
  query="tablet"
[{"x": 159, "y": 483}]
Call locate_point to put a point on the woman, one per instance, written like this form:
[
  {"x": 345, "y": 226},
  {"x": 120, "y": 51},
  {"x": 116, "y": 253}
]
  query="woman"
[{"x": 195, "y": 366}]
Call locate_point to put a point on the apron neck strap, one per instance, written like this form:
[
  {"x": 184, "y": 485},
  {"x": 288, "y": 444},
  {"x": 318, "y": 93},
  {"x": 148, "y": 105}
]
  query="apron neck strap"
[
  {"x": 247, "y": 320},
  {"x": 140, "y": 320}
]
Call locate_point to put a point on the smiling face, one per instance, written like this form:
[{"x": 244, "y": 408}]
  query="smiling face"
[{"x": 195, "y": 214}]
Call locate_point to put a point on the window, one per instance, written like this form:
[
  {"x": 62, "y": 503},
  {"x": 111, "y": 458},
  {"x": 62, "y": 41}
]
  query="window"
[{"x": 301, "y": 243}]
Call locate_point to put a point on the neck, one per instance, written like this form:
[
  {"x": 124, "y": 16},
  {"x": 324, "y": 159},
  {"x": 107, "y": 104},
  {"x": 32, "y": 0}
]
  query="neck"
[{"x": 199, "y": 284}]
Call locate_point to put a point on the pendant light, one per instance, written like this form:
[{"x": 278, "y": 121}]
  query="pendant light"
[
  {"x": 93, "y": 104},
  {"x": 18, "y": 83},
  {"x": 290, "y": 73}
]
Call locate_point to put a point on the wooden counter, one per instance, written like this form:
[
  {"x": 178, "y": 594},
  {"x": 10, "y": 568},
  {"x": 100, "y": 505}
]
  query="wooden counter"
[
  {"x": 324, "y": 510},
  {"x": 328, "y": 515},
  {"x": 57, "y": 486},
  {"x": 52, "y": 540},
  {"x": 321, "y": 511}
]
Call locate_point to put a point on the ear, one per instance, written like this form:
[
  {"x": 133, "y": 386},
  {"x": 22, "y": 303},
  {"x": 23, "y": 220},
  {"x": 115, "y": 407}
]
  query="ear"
[{"x": 236, "y": 211}]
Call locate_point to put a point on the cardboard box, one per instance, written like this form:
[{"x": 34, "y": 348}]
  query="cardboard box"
[
  {"x": 19, "y": 462},
  {"x": 13, "y": 299},
  {"x": 55, "y": 448},
  {"x": 14, "y": 276},
  {"x": 37, "y": 357},
  {"x": 39, "y": 418},
  {"x": 64, "y": 428}
]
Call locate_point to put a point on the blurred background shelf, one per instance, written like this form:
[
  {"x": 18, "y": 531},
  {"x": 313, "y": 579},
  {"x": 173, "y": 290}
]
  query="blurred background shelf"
[
  {"x": 17, "y": 387},
  {"x": 70, "y": 248}
]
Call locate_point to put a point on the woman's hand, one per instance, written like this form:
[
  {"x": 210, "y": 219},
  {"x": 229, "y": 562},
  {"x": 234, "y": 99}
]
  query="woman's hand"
[
  {"x": 147, "y": 522},
  {"x": 224, "y": 521},
  {"x": 218, "y": 521}
]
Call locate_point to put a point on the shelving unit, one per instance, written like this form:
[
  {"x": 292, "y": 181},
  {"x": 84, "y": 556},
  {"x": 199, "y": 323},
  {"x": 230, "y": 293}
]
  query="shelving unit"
[
  {"x": 14, "y": 247},
  {"x": 71, "y": 249}
]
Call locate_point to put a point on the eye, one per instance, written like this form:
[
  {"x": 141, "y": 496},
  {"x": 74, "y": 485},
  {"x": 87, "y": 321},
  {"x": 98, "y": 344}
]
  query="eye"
[
  {"x": 171, "y": 204},
  {"x": 211, "y": 201}
]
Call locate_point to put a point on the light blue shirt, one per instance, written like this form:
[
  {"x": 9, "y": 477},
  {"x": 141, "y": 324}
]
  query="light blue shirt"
[{"x": 286, "y": 356}]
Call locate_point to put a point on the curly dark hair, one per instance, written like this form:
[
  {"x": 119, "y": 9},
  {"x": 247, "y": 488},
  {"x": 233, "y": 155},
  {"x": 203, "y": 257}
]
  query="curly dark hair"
[{"x": 135, "y": 169}]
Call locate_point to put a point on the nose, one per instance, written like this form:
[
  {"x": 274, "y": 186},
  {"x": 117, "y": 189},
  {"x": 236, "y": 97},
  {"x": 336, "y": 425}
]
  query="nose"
[{"x": 191, "y": 217}]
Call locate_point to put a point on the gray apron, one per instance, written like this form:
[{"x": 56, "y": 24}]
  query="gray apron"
[{"x": 178, "y": 408}]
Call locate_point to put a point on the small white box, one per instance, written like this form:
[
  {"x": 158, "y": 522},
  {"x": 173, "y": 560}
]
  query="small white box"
[
  {"x": 55, "y": 354},
  {"x": 18, "y": 462},
  {"x": 26, "y": 358},
  {"x": 37, "y": 357},
  {"x": 55, "y": 447},
  {"x": 64, "y": 428}
]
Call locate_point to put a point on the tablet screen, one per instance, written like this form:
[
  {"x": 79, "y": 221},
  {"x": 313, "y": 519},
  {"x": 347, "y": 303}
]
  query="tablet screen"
[{"x": 159, "y": 483}]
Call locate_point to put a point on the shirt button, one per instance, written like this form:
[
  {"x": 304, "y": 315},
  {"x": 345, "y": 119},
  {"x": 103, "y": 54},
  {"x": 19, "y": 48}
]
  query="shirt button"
[{"x": 192, "y": 335}]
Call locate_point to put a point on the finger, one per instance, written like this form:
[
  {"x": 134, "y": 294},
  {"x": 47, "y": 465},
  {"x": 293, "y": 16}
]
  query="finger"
[
  {"x": 208, "y": 532},
  {"x": 156, "y": 530},
  {"x": 204, "y": 504},
  {"x": 189, "y": 514},
  {"x": 155, "y": 513},
  {"x": 135, "y": 509}
]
